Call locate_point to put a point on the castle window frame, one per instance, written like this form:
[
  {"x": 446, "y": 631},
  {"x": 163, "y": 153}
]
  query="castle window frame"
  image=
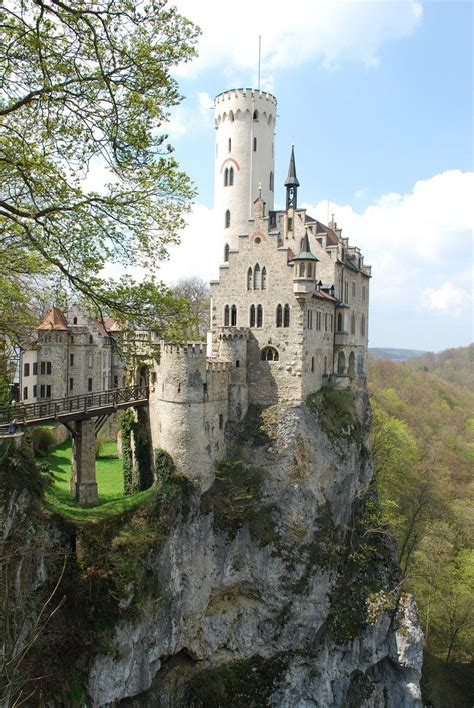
[
  {"x": 264, "y": 278},
  {"x": 318, "y": 321},
  {"x": 227, "y": 219},
  {"x": 48, "y": 390},
  {"x": 286, "y": 316},
  {"x": 221, "y": 421},
  {"x": 229, "y": 145},
  {"x": 231, "y": 176},
  {"x": 279, "y": 316},
  {"x": 312, "y": 364},
  {"x": 74, "y": 321},
  {"x": 256, "y": 277},
  {"x": 249, "y": 278},
  {"x": 233, "y": 316},
  {"x": 226, "y": 177},
  {"x": 237, "y": 363},
  {"x": 89, "y": 385},
  {"x": 255, "y": 144},
  {"x": 35, "y": 369},
  {"x": 255, "y": 115},
  {"x": 231, "y": 116},
  {"x": 362, "y": 326},
  {"x": 35, "y": 391},
  {"x": 252, "y": 318},
  {"x": 26, "y": 370},
  {"x": 353, "y": 324},
  {"x": 226, "y": 316},
  {"x": 71, "y": 384},
  {"x": 302, "y": 270},
  {"x": 25, "y": 393},
  {"x": 339, "y": 325},
  {"x": 226, "y": 253},
  {"x": 259, "y": 316},
  {"x": 309, "y": 319},
  {"x": 48, "y": 367},
  {"x": 269, "y": 353},
  {"x": 325, "y": 321}
]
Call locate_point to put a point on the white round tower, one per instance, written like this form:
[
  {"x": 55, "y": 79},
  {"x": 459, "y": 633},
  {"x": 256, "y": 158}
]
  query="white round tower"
[{"x": 245, "y": 162}]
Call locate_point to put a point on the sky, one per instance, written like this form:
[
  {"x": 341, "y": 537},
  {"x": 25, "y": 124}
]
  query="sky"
[{"x": 377, "y": 97}]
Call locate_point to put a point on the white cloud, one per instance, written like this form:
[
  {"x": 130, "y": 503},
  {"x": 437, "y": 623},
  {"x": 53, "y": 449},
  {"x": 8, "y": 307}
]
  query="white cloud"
[
  {"x": 446, "y": 299},
  {"x": 326, "y": 30}
]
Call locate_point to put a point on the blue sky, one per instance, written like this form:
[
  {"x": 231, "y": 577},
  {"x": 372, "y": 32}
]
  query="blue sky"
[{"x": 377, "y": 97}]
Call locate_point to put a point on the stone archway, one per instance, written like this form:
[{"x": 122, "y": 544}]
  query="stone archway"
[
  {"x": 351, "y": 368},
  {"x": 341, "y": 364}
]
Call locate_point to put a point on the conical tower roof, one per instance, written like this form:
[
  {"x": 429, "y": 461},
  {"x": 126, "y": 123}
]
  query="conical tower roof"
[
  {"x": 292, "y": 179},
  {"x": 305, "y": 253}
]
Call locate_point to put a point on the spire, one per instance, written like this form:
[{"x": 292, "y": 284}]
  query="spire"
[
  {"x": 292, "y": 179},
  {"x": 305, "y": 253},
  {"x": 291, "y": 183}
]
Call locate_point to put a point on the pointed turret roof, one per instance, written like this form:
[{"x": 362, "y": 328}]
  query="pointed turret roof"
[
  {"x": 305, "y": 253},
  {"x": 54, "y": 319},
  {"x": 292, "y": 179}
]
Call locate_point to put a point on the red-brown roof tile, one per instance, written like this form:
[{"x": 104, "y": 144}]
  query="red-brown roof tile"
[{"x": 54, "y": 319}]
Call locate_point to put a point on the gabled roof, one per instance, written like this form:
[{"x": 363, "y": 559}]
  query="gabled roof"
[
  {"x": 111, "y": 325},
  {"x": 54, "y": 319},
  {"x": 305, "y": 253}
]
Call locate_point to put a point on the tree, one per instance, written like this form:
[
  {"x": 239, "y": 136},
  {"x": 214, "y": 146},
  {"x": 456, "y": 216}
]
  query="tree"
[
  {"x": 196, "y": 292},
  {"x": 82, "y": 85}
]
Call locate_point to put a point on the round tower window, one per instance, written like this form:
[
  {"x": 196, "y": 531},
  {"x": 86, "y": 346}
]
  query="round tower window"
[{"x": 258, "y": 239}]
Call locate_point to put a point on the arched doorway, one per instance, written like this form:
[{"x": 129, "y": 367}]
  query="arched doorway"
[{"x": 341, "y": 364}]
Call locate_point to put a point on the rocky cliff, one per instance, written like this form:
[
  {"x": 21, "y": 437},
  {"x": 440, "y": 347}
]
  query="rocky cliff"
[{"x": 276, "y": 587}]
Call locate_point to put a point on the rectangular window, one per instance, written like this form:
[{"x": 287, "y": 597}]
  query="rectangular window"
[
  {"x": 90, "y": 360},
  {"x": 35, "y": 391},
  {"x": 318, "y": 321},
  {"x": 42, "y": 390},
  {"x": 71, "y": 384},
  {"x": 35, "y": 368},
  {"x": 310, "y": 319},
  {"x": 346, "y": 292},
  {"x": 48, "y": 367},
  {"x": 48, "y": 391},
  {"x": 331, "y": 327},
  {"x": 43, "y": 367},
  {"x": 25, "y": 393},
  {"x": 221, "y": 421},
  {"x": 71, "y": 359},
  {"x": 326, "y": 322},
  {"x": 26, "y": 370},
  {"x": 89, "y": 384}
]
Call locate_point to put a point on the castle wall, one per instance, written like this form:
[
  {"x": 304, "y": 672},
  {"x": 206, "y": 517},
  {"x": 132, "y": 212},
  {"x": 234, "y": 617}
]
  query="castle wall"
[{"x": 189, "y": 409}]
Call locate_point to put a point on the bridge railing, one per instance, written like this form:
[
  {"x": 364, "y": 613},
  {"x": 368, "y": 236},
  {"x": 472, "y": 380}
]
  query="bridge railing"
[{"x": 58, "y": 407}]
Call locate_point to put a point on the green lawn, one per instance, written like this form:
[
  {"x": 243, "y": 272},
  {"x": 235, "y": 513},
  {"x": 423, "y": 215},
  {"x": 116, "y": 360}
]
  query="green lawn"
[{"x": 112, "y": 499}]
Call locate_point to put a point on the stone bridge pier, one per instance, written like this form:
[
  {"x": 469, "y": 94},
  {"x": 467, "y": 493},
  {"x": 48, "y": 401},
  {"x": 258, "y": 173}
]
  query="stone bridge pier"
[{"x": 83, "y": 479}]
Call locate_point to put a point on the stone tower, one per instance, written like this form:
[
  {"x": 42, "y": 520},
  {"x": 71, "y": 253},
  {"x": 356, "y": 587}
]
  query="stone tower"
[{"x": 244, "y": 161}]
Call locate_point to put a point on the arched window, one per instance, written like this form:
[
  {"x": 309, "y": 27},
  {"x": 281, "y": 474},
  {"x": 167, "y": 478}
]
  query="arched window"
[
  {"x": 227, "y": 219},
  {"x": 255, "y": 144},
  {"x": 312, "y": 364},
  {"x": 233, "y": 316},
  {"x": 279, "y": 316},
  {"x": 226, "y": 316},
  {"x": 91, "y": 339},
  {"x": 310, "y": 270},
  {"x": 226, "y": 177},
  {"x": 226, "y": 252},
  {"x": 264, "y": 278},
  {"x": 259, "y": 316},
  {"x": 231, "y": 177},
  {"x": 339, "y": 322},
  {"x": 351, "y": 369},
  {"x": 256, "y": 278},
  {"x": 74, "y": 320},
  {"x": 302, "y": 270},
  {"x": 269, "y": 354},
  {"x": 231, "y": 116},
  {"x": 229, "y": 144},
  {"x": 249, "y": 279},
  {"x": 353, "y": 324},
  {"x": 252, "y": 316},
  {"x": 362, "y": 325},
  {"x": 286, "y": 318},
  {"x": 341, "y": 364},
  {"x": 271, "y": 181},
  {"x": 255, "y": 115}
]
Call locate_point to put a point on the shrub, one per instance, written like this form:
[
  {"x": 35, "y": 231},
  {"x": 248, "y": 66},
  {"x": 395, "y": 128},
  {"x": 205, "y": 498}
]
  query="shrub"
[
  {"x": 43, "y": 441},
  {"x": 337, "y": 412}
]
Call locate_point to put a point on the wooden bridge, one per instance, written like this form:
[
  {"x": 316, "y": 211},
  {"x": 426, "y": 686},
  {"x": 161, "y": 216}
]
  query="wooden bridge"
[{"x": 83, "y": 416}]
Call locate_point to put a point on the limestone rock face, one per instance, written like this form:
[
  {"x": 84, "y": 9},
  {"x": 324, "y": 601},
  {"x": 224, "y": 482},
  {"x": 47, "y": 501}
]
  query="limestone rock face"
[{"x": 283, "y": 584}]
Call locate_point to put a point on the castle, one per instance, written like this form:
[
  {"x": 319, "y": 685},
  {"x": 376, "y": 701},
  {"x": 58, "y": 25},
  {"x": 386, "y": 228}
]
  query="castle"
[{"x": 288, "y": 313}]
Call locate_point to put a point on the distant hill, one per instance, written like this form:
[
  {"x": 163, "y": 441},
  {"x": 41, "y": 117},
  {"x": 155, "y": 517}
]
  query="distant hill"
[
  {"x": 396, "y": 354},
  {"x": 453, "y": 365}
]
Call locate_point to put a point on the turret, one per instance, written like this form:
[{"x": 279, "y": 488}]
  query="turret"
[
  {"x": 304, "y": 274},
  {"x": 245, "y": 125},
  {"x": 292, "y": 183}
]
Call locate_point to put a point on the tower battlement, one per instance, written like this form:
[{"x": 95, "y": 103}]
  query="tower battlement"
[
  {"x": 232, "y": 332},
  {"x": 190, "y": 349}
]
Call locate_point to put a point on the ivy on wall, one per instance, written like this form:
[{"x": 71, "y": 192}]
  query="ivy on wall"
[{"x": 136, "y": 450}]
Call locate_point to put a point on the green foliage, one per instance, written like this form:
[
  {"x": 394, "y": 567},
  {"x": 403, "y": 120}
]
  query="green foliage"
[
  {"x": 236, "y": 500},
  {"x": 360, "y": 689},
  {"x": 421, "y": 447},
  {"x": 173, "y": 489},
  {"x": 43, "y": 441},
  {"x": 4, "y": 391},
  {"x": 85, "y": 83},
  {"x": 137, "y": 462},
  {"x": 246, "y": 682},
  {"x": 258, "y": 426},
  {"x": 337, "y": 412}
]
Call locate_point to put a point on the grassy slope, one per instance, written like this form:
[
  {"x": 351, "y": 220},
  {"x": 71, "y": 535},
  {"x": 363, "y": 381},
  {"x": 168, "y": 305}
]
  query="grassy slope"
[{"x": 109, "y": 479}]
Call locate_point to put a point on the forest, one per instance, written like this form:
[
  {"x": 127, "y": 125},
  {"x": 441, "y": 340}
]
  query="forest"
[{"x": 423, "y": 446}]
